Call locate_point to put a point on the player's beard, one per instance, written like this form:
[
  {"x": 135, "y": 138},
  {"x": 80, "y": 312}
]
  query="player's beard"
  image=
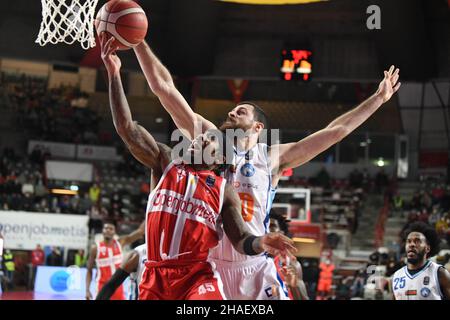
[{"x": 419, "y": 255}]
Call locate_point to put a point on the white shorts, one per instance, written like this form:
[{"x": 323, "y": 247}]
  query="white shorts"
[{"x": 256, "y": 279}]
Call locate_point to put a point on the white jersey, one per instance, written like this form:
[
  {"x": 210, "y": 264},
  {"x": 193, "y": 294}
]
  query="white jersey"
[
  {"x": 135, "y": 277},
  {"x": 423, "y": 285},
  {"x": 252, "y": 180}
]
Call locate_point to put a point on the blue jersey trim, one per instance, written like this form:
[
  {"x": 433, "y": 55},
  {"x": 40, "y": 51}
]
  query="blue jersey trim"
[{"x": 418, "y": 273}]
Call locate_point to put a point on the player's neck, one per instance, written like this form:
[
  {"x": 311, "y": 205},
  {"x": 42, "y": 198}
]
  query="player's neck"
[
  {"x": 107, "y": 241},
  {"x": 246, "y": 143},
  {"x": 417, "y": 266}
]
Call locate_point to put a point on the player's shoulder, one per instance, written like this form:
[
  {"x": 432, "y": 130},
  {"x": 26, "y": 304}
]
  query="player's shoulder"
[
  {"x": 141, "y": 249},
  {"x": 399, "y": 272}
]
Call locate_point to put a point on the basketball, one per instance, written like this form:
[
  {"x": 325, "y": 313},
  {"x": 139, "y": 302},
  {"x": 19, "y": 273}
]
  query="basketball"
[{"x": 123, "y": 19}]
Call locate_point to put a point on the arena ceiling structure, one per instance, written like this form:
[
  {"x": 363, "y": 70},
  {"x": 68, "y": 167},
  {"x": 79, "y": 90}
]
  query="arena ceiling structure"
[{"x": 224, "y": 38}]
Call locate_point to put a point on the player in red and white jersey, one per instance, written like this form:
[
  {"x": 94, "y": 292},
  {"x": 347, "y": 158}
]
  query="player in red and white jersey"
[
  {"x": 258, "y": 167},
  {"x": 106, "y": 255},
  {"x": 187, "y": 209}
]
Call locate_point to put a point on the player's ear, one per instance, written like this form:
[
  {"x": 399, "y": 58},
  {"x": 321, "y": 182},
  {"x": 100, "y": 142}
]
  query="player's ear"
[
  {"x": 427, "y": 249},
  {"x": 259, "y": 126}
]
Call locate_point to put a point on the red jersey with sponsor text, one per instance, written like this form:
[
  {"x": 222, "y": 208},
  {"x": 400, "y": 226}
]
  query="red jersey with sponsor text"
[
  {"x": 109, "y": 258},
  {"x": 182, "y": 215}
]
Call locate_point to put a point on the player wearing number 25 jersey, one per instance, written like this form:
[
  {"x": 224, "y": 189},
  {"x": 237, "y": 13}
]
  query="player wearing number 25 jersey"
[
  {"x": 421, "y": 279},
  {"x": 187, "y": 209}
]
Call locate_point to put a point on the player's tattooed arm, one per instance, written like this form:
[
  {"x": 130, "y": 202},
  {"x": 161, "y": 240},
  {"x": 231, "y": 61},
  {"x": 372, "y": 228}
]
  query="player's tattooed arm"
[
  {"x": 444, "y": 282},
  {"x": 90, "y": 266},
  {"x": 241, "y": 237},
  {"x": 162, "y": 85},
  {"x": 292, "y": 155},
  {"x": 138, "y": 140}
]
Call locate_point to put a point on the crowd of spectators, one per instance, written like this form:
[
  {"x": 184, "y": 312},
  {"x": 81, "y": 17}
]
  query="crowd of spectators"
[
  {"x": 23, "y": 188},
  {"x": 58, "y": 114}
]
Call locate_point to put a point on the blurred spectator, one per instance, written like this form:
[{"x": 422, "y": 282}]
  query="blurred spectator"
[
  {"x": 366, "y": 180},
  {"x": 40, "y": 190},
  {"x": 9, "y": 267},
  {"x": 397, "y": 204},
  {"x": 85, "y": 203},
  {"x": 37, "y": 259},
  {"x": 342, "y": 291},
  {"x": 54, "y": 258},
  {"x": 80, "y": 258},
  {"x": 94, "y": 193},
  {"x": 325, "y": 279},
  {"x": 357, "y": 288},
  {"x": 96, "y": 215},
  {"x": 355, "y": 178},
  {"x": 145, "y": 188},
  {"x": 381, "y": 181}
]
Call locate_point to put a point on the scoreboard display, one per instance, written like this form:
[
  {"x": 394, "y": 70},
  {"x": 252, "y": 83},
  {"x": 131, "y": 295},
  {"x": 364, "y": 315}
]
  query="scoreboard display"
[{"x": 296, "y": 64}]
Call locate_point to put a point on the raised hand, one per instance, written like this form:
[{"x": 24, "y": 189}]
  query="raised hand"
[
  {"x": 276, "y": 243},
  {"x": 389, "y": 85},
  {"x": 110, "y": 59},
  {"x": 290, "y": 275}
]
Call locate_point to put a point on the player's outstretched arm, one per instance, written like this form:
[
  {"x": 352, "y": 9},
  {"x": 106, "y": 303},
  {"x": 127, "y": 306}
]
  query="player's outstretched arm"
[
  {"x": 241, "y": 237},
  {"x": 292, "y": 155},
  {"x": 444, "y": 282},
  {"x": 90, "y": 266},
  {"x": 128, "y": 266},
  {"x": 134, "y": 236},
  {"x": 161, "y": 83},
  {"x": 138, "y": 140}
]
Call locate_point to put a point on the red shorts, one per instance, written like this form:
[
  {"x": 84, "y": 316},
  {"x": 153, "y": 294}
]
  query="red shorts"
[
  {"x": 324, "y": 285},
  {"x": 189, "y": 282},
  {"x": 118, "y": 294}
]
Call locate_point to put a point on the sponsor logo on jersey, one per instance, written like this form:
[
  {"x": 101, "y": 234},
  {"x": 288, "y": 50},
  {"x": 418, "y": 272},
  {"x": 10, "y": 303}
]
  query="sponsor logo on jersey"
[
  {"x": 247, "y": 170},
  {"x": 210, "y": 180},
  {"x": 174, "y": 204},
  {"x": 411, "y": 293},
  {"x": 237, "y": 184},
  {"x": 426, "y": 281},
  {"x": 425, "y": 292}
]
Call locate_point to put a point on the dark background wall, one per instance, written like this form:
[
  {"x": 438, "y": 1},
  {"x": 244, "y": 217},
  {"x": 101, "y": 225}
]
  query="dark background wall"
[{"x": 206, "y": 37}]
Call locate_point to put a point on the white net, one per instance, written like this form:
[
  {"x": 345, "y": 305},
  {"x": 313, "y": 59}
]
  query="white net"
[{"x": 68, "y": 21}]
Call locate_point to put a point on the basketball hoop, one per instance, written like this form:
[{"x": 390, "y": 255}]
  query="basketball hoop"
[{"x": 67, "y": 21}]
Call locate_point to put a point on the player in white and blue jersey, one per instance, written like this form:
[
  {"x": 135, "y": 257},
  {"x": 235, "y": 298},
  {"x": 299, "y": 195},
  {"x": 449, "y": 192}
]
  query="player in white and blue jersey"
[{"x": 421, "y": 279}]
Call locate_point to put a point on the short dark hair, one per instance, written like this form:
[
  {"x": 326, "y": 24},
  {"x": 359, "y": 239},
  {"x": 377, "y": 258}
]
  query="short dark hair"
[
  {"x": 430, "y": 235},
  {"x": 258, "y": 113},
  {"x": 111, "y": 222}
]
